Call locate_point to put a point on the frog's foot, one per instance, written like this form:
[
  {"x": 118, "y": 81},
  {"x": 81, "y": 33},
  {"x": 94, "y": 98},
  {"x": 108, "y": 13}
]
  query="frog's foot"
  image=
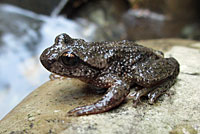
[
  {"x": 138, "y": 94},
  {"x": 113, "y": 97},
  {"x": 161, "y": 89},
  {"x": 54, "y": 76}
]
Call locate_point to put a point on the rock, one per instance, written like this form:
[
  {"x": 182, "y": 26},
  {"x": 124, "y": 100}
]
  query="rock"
[
  {"x": 191, "y": 31},
  {"x": 105, "y": 14},
  {"x": 178, "y": 21},
  {"x": 183, "y": 129},
  {"x": 144, "y": 24},
  {"x": 175, "y": 9},
  {"x": 156, "y": 6},
  {"x": 44, "y": 110}
]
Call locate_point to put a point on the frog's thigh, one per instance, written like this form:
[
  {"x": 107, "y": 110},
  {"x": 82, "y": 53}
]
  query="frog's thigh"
[
  {"x": 162, "y": 84},
  {"x": 151, "y": 73},
  {"x": 153, "y": 92}
]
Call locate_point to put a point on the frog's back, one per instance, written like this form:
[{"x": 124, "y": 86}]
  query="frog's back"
[
  {"x": 102, "y": 54},
  {"x": 122, "y": 48},
  {"x": 124, "y": 51}
]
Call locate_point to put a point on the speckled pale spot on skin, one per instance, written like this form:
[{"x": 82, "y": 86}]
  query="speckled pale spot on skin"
[{"x": 114, "y": 65}]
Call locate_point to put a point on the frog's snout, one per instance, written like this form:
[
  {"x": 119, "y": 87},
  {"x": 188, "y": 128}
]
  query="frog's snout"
[{"x": 46, "y": 59}]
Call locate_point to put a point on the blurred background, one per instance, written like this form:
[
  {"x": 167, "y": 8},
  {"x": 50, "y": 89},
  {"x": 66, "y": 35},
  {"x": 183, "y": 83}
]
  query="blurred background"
[{"x": 28, "y": 27}]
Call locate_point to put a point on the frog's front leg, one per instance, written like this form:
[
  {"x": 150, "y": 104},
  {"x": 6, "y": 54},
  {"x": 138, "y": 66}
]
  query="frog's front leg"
[{"x": 116, "y": 93}]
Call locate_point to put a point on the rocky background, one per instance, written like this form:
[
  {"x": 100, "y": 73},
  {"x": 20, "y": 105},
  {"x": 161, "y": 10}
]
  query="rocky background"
[{"x": 126, "y": 19}]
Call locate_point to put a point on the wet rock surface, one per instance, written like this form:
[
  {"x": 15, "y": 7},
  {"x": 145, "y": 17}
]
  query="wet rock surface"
[{"x": 44, "y": 110}]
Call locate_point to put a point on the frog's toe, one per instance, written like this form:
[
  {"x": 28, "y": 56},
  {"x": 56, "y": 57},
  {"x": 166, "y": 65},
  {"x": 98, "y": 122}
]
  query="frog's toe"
[
  {"x": 136, "y": 97},
  {"x": 83, "y": 110},
  {"x": 74, "y": 112},
  {"x": 152, "y": 96},
  {"x": 138, "y": 94}
]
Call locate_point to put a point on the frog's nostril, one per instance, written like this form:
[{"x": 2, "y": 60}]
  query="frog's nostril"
[
  {"x": 47, "y": 61},
  {"x": 44, "y": 62}
]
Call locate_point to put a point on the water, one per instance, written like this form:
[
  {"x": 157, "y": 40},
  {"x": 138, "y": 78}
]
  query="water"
[{"x": 23, "y": 36}]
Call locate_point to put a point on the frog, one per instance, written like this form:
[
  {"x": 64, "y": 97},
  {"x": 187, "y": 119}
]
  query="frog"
[{"x": 116, "y": 66}]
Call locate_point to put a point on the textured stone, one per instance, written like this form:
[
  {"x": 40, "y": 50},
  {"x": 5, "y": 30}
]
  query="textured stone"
[{"x": 44, "y": 110}]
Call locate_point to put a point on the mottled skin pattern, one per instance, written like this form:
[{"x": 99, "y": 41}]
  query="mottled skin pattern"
[{"x": 116, "y": 65}]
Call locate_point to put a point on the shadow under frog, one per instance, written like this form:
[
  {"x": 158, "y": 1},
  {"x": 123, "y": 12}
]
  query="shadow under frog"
[{"x": 116, "y": 66}]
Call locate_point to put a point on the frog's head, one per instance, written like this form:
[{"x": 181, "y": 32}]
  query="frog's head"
[{"x": 62, "y": 58}]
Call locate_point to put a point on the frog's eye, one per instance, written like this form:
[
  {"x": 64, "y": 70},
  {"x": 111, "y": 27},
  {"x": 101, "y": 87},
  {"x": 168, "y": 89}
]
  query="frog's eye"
[{"x": 69, "y": 59}]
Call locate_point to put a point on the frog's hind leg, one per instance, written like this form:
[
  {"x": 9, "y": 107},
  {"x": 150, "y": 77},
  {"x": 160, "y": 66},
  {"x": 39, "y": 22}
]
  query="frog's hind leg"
[
  {"x": 164, "y": 86},
  {"x": 112, "y": 98},
  {"x": 154, "y": 91}
]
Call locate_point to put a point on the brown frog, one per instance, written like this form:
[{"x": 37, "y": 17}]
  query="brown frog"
[{"x": 116, "y": 65}]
